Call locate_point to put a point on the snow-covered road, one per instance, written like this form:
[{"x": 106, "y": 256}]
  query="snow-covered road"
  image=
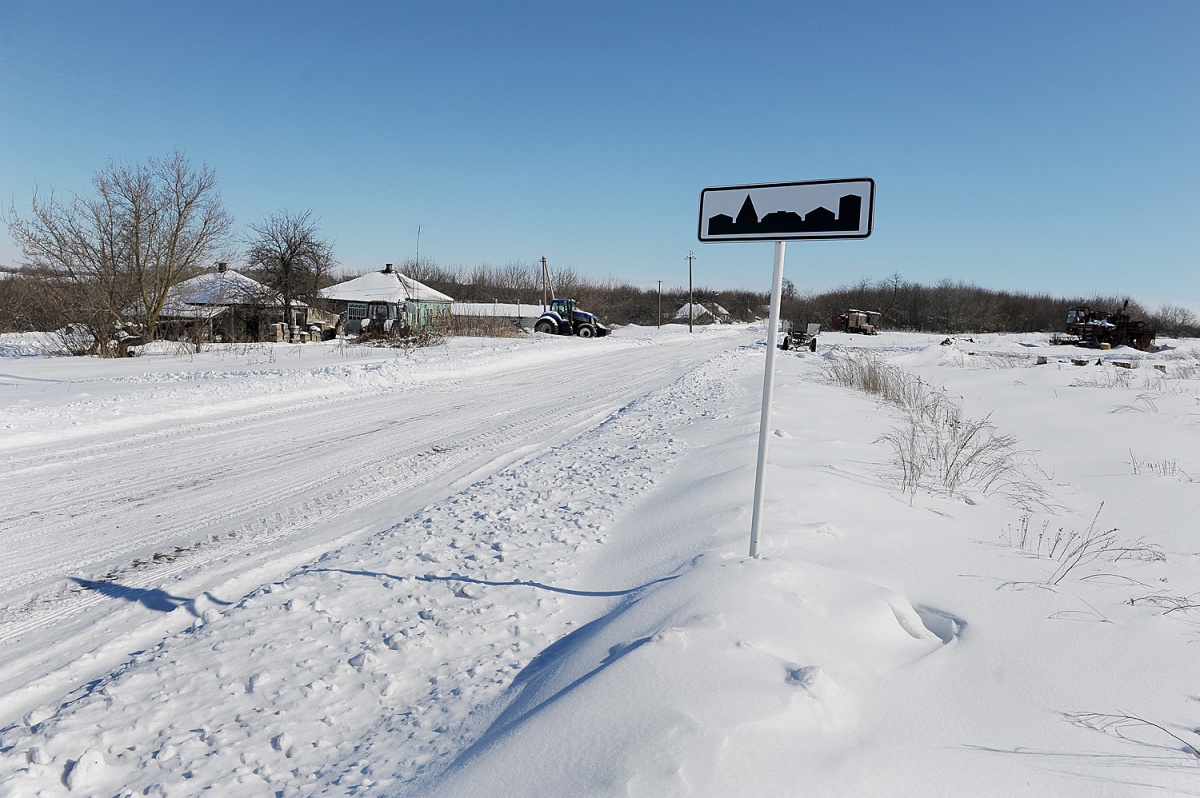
[
  {"x": 519, "y": 568},
  {"x": 193, "y": 488}
]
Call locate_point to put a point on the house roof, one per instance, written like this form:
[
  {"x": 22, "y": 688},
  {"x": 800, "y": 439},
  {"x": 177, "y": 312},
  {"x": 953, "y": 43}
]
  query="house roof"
[
  {"x": 217, "y": 287},
  {"x": 699, "y": 311},
  {"x": 384, "y": 286},
  {"x": 210, "y": 293}
]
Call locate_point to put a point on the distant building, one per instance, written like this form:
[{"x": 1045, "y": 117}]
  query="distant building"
[
  {"x": 699, "y": 314},
  {"x": 385, "y": 298}
]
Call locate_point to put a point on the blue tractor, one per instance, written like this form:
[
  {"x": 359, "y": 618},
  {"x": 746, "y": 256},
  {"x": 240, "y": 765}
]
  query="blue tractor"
[{"x": 565, "y": 318}]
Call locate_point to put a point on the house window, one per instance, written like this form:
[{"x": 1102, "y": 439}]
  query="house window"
[{"x": 356, "y": 310}]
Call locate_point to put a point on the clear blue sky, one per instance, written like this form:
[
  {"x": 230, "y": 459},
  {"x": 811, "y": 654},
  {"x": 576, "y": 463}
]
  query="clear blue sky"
[{"x": 1019, "y": 145}]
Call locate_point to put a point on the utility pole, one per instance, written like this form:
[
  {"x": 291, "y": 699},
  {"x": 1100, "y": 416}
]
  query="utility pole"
[
  {"x": 660, "y": 304},
  {"x": 418, "y": 263},
  {"x": 547, "y": 286},
  {"x": 691, "y": 305}
]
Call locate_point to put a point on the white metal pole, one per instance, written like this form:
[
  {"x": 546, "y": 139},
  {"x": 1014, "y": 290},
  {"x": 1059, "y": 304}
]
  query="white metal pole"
[
  {"x": 691, "y": 301},
  {"x": 764, "y": 423}
]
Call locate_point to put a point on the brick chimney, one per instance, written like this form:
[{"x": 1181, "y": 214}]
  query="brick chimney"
[
  {"x": 387, "y": 268},
  {"x": 222, "y": 267}
]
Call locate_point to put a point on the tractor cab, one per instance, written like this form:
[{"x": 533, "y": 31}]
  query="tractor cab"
[{"x": 565, "y": 308}]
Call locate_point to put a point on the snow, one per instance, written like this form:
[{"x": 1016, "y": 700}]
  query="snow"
[
  {"x": 384, "y": 286},
  {"x": 220, "y": 286},
  {"x": 518, "y": 567},
  {"x": 688, "y": 309}
]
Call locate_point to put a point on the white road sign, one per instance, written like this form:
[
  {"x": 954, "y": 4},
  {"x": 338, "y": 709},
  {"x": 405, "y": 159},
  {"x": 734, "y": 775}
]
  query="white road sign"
[
  {"x": 820, "y": 209},
  {"x": 783, "y": 212}
]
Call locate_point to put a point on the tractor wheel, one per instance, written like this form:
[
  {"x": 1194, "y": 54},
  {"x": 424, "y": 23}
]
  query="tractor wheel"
[
  {"x": 586, "y": 331},
  {"x": 545, "y": 326}
]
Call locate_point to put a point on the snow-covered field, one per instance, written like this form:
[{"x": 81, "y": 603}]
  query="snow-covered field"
[{"x": 518, "y": 567}]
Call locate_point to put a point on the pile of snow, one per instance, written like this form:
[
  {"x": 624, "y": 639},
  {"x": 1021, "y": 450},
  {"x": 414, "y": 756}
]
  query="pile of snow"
[{"x": 30, "y": 345}]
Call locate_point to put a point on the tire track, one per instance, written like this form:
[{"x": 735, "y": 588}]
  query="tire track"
[{"x": 268, "y": 503}]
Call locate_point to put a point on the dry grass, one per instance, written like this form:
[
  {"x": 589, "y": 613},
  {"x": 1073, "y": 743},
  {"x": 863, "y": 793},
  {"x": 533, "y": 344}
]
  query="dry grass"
[
  {"x": 1105, "y": 378},
  {"x": 402, "y": 338},
  {"x": 483, "y": 327},
  {"x": 1118, "y": 724},
  {"x": 1078, "y": 547},
  {"x": 1159, "y": 468},
  {"x": 1167, "y": 602},
  {"x": 937, "y": 448}
]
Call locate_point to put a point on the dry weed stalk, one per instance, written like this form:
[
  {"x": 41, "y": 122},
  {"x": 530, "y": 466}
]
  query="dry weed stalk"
[
  {"x": 1167, "y": 602},
  {"x": 1160, "y": 468},
  {"x": 1076, "y": 548},
  {"x": 1116, "y": 723}
]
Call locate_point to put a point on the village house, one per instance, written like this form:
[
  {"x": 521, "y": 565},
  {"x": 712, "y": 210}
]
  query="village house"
[
  {"x": 384, "y": 299},
  {"x": 698, "y": 313},
  {"x": 224, "y": 305}
]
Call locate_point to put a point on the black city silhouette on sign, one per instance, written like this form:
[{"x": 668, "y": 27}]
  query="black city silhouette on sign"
[{"x": 818, "y": 220}]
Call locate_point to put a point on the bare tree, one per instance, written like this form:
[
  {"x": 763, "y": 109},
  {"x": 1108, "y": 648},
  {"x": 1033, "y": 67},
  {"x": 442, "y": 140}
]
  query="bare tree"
[
  {"x": 290, "y": 256},
  {"x": 117, "y": 254},
  {"x": 1175, "y": 321}
]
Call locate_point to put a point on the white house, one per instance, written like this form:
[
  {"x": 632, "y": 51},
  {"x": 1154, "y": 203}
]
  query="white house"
[{"x": 384, "y": 298}]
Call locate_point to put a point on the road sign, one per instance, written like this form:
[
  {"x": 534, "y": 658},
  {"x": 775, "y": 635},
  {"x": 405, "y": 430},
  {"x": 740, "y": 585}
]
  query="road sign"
[
  {"x": 782, "y": 212},
  {"x": 814, "y": 209}
]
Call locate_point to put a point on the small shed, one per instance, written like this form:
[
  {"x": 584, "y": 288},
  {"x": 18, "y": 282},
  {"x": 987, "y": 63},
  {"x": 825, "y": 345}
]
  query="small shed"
[{"x": 385, "y": 298}]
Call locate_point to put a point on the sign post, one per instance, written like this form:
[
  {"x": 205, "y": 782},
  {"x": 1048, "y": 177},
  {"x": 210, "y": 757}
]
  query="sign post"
[{"x": 795, "y": 211}]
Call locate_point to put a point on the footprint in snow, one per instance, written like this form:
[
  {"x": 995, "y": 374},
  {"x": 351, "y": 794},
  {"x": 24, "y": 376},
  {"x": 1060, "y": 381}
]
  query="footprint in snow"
[{"x": 946, "y": 626}]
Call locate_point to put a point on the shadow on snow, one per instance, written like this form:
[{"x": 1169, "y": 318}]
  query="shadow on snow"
[
  {"x": 155, "y": 599},
  {"x": 490, "y": 583}
]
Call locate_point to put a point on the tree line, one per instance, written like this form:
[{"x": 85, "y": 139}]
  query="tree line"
[
  {"x": 957, "y": 307},
  {"x": 613, "y": 301},
  {"x": 954, "y": 307},
  {"x": 105, "y": 263},
  {"x": 947, "y": 307}
]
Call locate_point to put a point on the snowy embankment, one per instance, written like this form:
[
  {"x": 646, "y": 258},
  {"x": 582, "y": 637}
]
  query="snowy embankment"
[{"x": 578, "y": 616}]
